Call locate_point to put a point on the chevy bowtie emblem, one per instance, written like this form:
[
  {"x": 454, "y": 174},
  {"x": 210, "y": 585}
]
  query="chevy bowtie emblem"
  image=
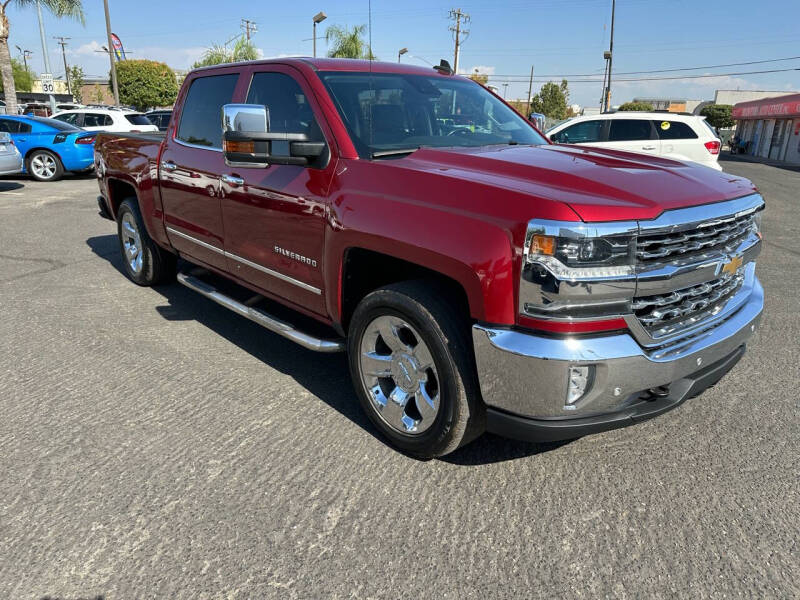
[{"x": 732, "y": 265}]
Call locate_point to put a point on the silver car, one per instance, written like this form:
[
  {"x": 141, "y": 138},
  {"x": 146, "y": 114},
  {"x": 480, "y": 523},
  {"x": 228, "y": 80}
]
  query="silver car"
[{"x": 10, "y": 158}]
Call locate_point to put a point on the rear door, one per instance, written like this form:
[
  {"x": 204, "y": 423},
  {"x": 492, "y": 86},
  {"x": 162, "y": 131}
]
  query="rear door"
[
  {"x": 679, "y": 141},
  {"x": 190, "y": 167},
  {"x": 275, "y": 218},
  {"x": 632, "y": 135}
]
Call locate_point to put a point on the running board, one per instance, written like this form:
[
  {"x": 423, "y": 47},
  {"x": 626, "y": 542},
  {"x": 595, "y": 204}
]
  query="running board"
[{"x": 262, "y": 318}]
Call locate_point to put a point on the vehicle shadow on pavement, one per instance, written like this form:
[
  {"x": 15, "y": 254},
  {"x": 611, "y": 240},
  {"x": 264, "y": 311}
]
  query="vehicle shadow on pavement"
[
  {"x": 326, "y": 376},
  {"x": 10, "y": 186}
]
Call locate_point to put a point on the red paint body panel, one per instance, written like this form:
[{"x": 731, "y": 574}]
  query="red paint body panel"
[{"x": 462, "y": 212}]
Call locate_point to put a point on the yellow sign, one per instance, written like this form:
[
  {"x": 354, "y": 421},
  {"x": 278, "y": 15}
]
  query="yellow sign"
[
  {"x": 664, "y": 125},
  {"x": 732, "y": 265}
]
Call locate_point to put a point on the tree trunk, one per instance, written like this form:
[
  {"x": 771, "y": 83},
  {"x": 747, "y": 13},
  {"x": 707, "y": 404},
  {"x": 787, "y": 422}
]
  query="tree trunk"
[{"x": 5, "y": 66}]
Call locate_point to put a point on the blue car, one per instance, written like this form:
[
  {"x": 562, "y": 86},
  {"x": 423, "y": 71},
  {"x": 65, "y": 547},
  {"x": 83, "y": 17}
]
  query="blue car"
[{"x": 49, "y": 147}]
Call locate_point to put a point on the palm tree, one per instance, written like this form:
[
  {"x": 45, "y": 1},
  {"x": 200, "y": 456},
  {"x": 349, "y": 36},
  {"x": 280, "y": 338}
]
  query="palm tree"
[
  {"x": 348, "y": 43},
  {"x": 242, "y": 50},
  {"x": 60, "y": 8}
]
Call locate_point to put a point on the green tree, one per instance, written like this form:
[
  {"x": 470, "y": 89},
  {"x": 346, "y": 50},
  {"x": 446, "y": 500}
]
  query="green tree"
[
  {"x": 481, "y": 78},
  {"x": 146, "y": 83},
  {"x": 718, "y": 116},
  {"x": 60, "y": 8},
  {"x": 348, "y": 43},
  {"x": 23, "y": 78},
  {"x": 640, "y": 106},
  {"x": 76, "y": 82},
  {"x": 242, "y": 50},
  {"x": 551, "y": 100}
]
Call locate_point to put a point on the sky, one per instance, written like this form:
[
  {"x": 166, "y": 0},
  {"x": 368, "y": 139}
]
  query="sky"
[{"x": 506, "y": 38}]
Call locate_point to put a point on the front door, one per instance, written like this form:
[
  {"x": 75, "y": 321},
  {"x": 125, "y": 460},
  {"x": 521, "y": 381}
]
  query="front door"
[
  {"x": 189, "y": 171},
  {"x": 275, "y": 216}
]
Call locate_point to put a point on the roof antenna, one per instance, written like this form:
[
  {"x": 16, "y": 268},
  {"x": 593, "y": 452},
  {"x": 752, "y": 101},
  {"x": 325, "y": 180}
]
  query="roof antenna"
[{"x": 444, "y": 67}]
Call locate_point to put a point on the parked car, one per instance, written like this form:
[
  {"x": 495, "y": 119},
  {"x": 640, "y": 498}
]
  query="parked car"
[
  {"x": 106, "y": 119},
  {"x": 49, "y": 147},
  {"x": 10, "y": 158},
  {"x": 159, "y": 118},
  {"x": 478, "y": 277},
  {"x": 672, "y": 135},
  {"x": 37, "y": 109}
]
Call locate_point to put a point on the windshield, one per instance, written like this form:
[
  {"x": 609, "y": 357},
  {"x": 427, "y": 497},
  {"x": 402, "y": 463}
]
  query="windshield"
[
  {"x": 386, "y": 112},
  {"x": 56, "y": 124}
]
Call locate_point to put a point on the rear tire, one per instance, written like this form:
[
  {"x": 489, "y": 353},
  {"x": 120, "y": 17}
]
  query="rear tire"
[
  {"x": 412, "y": 366},
  {"x": 145, "y": 262},
  {"x": 43, "y": 165}
]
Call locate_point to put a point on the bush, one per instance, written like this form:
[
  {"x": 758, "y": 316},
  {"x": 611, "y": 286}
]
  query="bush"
[
  {"x": 640, "y": 106},
  {"x": 146, "y": 83},
  {"x": 718, "y": 116}
]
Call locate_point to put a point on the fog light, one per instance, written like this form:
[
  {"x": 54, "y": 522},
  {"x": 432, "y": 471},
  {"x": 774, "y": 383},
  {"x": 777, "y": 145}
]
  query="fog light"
[{"x": 578, "y": 382}]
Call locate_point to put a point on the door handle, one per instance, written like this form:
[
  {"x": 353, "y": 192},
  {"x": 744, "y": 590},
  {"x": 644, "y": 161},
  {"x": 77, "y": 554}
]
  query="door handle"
[
  {"x": 648, "y": 147},
  {"x": 232, "y": 180},
  {"x": 168, "y": 165}
]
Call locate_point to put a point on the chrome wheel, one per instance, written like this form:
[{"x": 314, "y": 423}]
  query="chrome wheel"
[
  {"x": 131, "y": 242},
  {"x": 44, "y": 165},
  {"x": 399, "y": 375}
]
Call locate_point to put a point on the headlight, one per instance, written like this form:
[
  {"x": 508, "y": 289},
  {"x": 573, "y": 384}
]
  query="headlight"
[{"x": 572, "y": 251}]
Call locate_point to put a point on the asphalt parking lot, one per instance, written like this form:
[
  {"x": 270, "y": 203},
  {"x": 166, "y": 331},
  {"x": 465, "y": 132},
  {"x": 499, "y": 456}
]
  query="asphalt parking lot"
[{"x": 154, "y": 445}]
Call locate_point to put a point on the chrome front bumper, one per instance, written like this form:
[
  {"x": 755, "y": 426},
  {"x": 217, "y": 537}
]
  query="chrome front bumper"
[{"x": 525, "y": 376}]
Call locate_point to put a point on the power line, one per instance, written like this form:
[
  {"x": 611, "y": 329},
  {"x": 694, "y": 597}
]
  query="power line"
[
  {"x": 671, "y": 70},
  {"x": 708, "y": 76}
]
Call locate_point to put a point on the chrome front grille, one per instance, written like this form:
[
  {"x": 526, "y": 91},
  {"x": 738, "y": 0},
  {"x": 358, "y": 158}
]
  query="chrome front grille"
[
  {"x": 718, "y": 233},
  {"x": 664, "y": 314}
]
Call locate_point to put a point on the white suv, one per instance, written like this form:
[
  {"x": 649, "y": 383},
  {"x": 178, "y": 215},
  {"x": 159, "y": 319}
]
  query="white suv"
[
  {"x": 106, "y": 119},
  {"x": 671, "y": 135}
]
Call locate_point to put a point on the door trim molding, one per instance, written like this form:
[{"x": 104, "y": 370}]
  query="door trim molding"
[{"x": 244, "y": 261}]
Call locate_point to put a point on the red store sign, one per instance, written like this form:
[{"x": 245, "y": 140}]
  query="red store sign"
[{"x": 787, "y": 106}]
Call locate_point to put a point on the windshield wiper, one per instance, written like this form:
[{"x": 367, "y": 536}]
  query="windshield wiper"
[{"x": 395, "y": 152}]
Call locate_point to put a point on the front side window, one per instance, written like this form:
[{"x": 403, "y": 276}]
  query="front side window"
[
  {"x": 71, "y": 118},
  {"x": 581, "y": 133},
  {"x": 201, "y": 116},
  {"x": 395, "y": 112},
  {"x": 9, "y": 126},
  {"x": 628, "y": 130}
]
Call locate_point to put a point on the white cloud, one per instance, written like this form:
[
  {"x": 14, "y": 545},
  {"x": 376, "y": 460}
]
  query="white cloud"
[
  {"x": 87, "y": 49},
  {"x": 482, "y": 69}
]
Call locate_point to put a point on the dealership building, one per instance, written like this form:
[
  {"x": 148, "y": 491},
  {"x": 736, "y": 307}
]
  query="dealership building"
[{"x": 771, "y": 127}]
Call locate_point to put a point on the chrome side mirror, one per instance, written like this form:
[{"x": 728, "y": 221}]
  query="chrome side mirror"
[{"x": 247, "y": 140}]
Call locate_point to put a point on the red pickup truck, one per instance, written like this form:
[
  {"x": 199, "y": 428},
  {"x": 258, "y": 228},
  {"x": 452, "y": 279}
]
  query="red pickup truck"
[{"x": 479, "y": 277}]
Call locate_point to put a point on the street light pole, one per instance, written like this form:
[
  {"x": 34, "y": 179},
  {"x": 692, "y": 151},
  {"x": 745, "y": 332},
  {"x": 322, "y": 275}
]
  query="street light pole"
[
  {"x": 318, "y": 18},
  {"x": 44, "y": 38},
  {"x": 114, "y": 86},
  {"x": 401, "y": 52}
]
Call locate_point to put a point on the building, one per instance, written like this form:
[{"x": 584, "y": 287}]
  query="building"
[
  {"x": 735, "y": 96},
  {"x": 96, "y": 91},
  {"x": 770, "y": 127},
  {"x": 671, "y": 104}
]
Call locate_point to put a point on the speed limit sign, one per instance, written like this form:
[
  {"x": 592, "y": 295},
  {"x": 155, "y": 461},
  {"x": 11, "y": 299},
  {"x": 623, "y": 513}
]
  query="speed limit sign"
[{"x": 47, "y": 83}]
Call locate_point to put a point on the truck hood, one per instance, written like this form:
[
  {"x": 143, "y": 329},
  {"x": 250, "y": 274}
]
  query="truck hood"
[{"x": 597, "y": 184}]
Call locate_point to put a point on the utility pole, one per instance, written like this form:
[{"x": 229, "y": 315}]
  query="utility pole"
[
  {"x": 530, "y": 92},
  {"x": 62, "y": 41},
  {"x": 114, "y": 86},
  {"x": 44, "y": 38},
  {"x": 610, "y": 56},
  {"x": 458, "y": 16},
  {"x": 249, "y": 27}
]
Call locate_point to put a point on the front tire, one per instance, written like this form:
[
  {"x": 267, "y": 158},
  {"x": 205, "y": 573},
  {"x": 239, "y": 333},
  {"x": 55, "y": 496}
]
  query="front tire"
[
  {"x": 412, "y": 366},
  {"x": 145, "y": 262},
  {"x": 44, "y": 166}
]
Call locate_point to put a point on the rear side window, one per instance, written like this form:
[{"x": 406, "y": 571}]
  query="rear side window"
[
  {"x": 201, "y": 116},
  {"x": 138, "y": 120},
  {"x": 586, "y": 131},
  {"x": 674, "y": 130},
  {"x": 626, "y": 130},
  {"x": 96, "y": 120}
]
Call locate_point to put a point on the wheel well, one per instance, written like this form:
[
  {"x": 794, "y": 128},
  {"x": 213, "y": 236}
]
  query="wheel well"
[
  {"x": 50, "y": 150},
  {"x": 118, "y": 191},
  {"x": 365, "y": 271}
]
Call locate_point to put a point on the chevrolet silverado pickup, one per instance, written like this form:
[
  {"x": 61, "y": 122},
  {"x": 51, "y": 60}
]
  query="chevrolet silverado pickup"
[{"x": 478, "y": 277}]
